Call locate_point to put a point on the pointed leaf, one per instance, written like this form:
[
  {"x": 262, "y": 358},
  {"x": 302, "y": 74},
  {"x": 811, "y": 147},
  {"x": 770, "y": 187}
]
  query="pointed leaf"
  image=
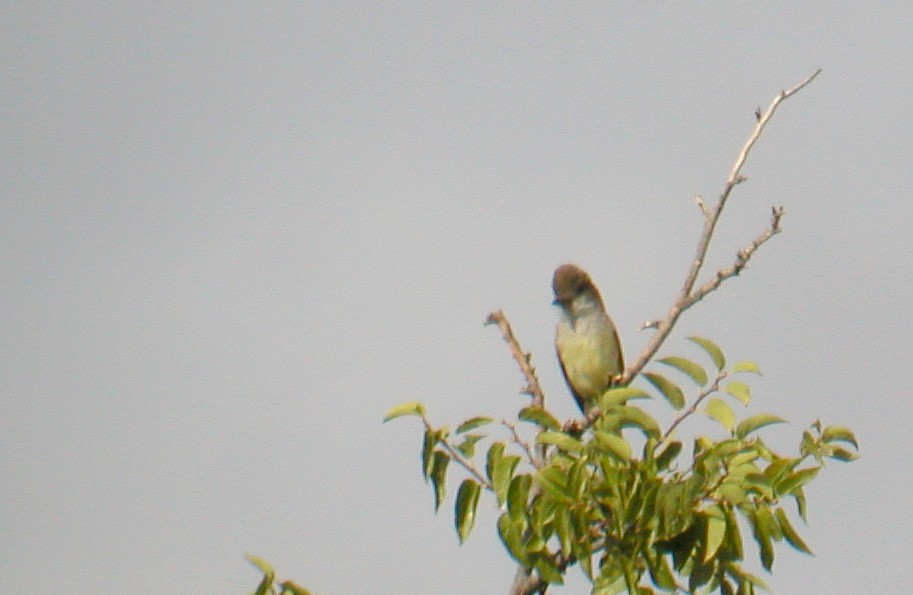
[
  {"x": 411, "y": 408},
  {"x": 661, "y": 572},
  {"x": 749, "y": 367},
  {"x": 687, "y": 367},
  {"x": 495, "y": 452},
  {"x": 468, "y": 446},
  {"x": 791, "y": 535},
  {"x": 667, "y": 456},
  {"x": 839, "y": 434},
  {"x": 547, "y": 570},
  {"x": 797, "y": 479},
  {"x": 801, "y": 504},
  {"x": 429, "y": 441},
  {"x": 761, "y": 535},
  {"x": 620, "y": 396},
  {"x": 667, "y": 388},
  {"x": 439, "y": 476},
  {"x": 269, "y": 575},
  {"x": 262, "y": 565},
  {"x": 842, "y": 454},
  {"x": 564, "y": 530},
  {"x": 511, "y": 533},
  {"x": 501, "y": 475},
  {"x": 540, "y": 417},
  {"x": 631, "y": 416},
  {"x": 715, "y": 528},
  {"x": 732, "y": 492},
  {"x": 740, "y": 391},
  {"x": 614, "y": 445},
  {"x": 718, "y": 409},
  {"x": 715, "y": 353},
  {"x": 467, "y": 501},
  {"x": 291, "y": 588},
  {"x": 554, "y": 482},
  {"x": 518, "y": 495},
  {"x": 561, "y": 440},
  {"x": 471, "y": 424},
  {"x": 756, "y": 422}
]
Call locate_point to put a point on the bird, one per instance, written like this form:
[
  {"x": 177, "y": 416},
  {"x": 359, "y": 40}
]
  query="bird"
[{"x": 586, "y": 339}]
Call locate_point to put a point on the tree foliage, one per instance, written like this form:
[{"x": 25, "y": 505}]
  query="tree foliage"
[
  {"x": 626, "y": 500},
  {"x": 634, "y": 504}
]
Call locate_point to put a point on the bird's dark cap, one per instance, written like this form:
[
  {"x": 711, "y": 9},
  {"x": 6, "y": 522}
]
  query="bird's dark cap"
[{"x": 569, "y": 282}]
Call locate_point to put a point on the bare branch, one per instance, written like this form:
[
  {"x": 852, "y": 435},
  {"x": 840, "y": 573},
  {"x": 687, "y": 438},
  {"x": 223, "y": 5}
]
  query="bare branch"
[
  {"x": 533, "y": 458},
  {"x": 687, "y": 297},
  {"x": 523, "y": 358}
]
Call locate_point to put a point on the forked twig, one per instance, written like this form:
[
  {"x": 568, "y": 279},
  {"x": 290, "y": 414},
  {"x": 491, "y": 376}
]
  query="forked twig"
[{"x": 688, "y": 296}]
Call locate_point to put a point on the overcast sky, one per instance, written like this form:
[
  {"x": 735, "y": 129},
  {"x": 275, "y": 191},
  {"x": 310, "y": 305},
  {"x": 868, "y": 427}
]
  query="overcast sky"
[{"x": 233, "y": 236}]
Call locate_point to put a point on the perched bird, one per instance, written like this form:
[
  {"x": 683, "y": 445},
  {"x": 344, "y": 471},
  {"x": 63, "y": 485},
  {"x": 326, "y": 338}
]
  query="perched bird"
[{"x": 586, "y": 340}]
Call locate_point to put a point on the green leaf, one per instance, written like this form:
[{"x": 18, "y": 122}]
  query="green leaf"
[
  {"x": 797, "y": 479},
  {"x": 540, "y": 417},
  {"x": 561, "y": 440},
  {"x": 732, "y": 548},
  {"x": 715, "y": 530},
  {"x": 763, "y": 538},
  {"x": 467, "y": 501},
  {"x": 771, "y": 526},
  {"x": 429, "y": 441},
  {"x": 495, "y": 452},
  {"x": 501, "y": 475},
  {"x": 749, "y": 367},
  {"x": 839, "y": 434},
  {"x": 511, "y": 533},
  {"x": 619, "y": 396},
  {"x": 614, "y": 445},
  {"x": 740, "y": 391},
  {"x": 631, "y": 416},
  {"x": 262, "y": 565},
  {"x": 564, "y": 530},
  {"x": 269, "y": 575},
  {"x": 518, "y": 495},
  {"x": 411, "y": 408},
  {"x": 439, "y": 476},
  {"x": 668, "y": 456},
  {"x": 468, "y": 446},
  {"x": 801, "y": 504},
  {"x": 554, "y": 482},
  {"x": 715, "y": 353},
  {"x": 756, "y": 422},
  {"x": 291, "y": 588},
  {"x": 660, "y": 572},
  {"x": 668, "y": 389},
  {"x": 687, "y": 367},
  {"x": 842, "y": 454},
  {"x": 547, "y": 570},
  {"x": 471, "y": 424},
  {"x": 718, "y": 409},
  {"x": 732, "y": 492},
  {"x": 791, "y": 535}
]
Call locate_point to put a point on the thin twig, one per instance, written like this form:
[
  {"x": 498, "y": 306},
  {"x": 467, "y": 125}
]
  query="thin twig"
[
  {"x": 533, "y": 458},
  {"x": 457, "y": 456},
  {"x": 741, "y": 259},
  {"x": 686, "y": 297},
  {"x": 690, "y": 410},
  {"x": 533, "y": 388}
]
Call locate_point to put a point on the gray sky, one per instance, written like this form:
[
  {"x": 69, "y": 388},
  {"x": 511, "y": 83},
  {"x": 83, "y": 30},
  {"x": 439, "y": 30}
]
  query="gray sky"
[{"x": 233, "y": 236}]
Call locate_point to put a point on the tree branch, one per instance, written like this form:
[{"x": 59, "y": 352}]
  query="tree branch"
[
  {"x": 533, "y": 389},
  {"x": 687, "y": 297},
  {"x": 457, "y": 456}
]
